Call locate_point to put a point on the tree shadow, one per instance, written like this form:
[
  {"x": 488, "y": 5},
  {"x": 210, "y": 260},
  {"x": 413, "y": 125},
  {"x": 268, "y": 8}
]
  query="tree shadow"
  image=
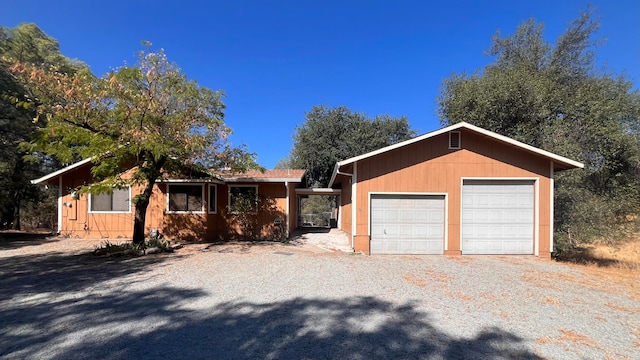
[
  {"x": 15, "y": 240},
  {"x": 160, "y": 322},
  {"x": 63, "y": 272}
]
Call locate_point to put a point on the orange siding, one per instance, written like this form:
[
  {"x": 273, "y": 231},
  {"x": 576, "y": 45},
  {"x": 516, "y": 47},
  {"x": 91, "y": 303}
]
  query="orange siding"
[
  {"x": 429, "y": 166},
  {"x": 345, "y": 205},
  {"x": 78, "y": 222}
]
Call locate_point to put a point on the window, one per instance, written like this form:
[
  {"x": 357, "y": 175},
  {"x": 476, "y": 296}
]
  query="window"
[
  {"x": 243, "y": 198},
  {"x": 117, "y": 200},
  {"x": 213, "y": 196},
  {"x": 186, "y": 198}
]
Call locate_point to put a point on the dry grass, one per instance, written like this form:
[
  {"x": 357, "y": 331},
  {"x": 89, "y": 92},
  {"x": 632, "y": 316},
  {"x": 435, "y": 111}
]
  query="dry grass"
[
  {"x": 411, "y": 279},
  {"x": 574, "y": 337},
  {"x": 624, "y": 257},
  {"x": 622, "y": 308},
  {"x": 550, "y": 300}
]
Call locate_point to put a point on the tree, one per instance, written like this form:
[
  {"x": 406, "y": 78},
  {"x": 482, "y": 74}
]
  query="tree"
[
  {"x": 25, "y": 43},
  {"x": 333, "y": 134},
  {"x": 551, "y": 96},
  {"x": 149, "y": 116}
]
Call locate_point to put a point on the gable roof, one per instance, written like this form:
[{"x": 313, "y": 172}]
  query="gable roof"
[
  {"x": 279, "y": 175},
  {"x": 563, "y": 162}
]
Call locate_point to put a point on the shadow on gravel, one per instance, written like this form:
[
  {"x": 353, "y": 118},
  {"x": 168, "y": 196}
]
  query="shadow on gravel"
[
  {"x": 63, "y": 272},
  {"x": 14, "y": 240},
  {"x": 152, "y": 324}
]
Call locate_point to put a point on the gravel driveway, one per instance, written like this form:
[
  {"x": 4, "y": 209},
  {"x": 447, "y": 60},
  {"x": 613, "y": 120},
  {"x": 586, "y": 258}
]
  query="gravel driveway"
[{"x": 298, "y": 302}]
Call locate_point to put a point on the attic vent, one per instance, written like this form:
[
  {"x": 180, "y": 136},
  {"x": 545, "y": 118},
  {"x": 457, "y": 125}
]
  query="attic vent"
[{"x": 454, "y": 140}]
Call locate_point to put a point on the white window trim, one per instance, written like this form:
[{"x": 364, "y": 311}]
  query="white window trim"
[
  {"x": 214, "y": 188},
  {"x": 229, "y": 197},
  {"x": 201, "y": 211},
  {"x": 109, "y": 212}
]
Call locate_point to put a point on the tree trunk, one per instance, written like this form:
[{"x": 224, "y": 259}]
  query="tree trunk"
[
  {"x": 141, "y": 212},
  {"x": 16, "y": 215}
]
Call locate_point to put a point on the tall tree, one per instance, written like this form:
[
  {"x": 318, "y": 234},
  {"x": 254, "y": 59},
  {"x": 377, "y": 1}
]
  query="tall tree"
[
  {"x": 28, "y": 44},
  {"x": 332, "y": 134},
  {"x": 149, "y": 115},
  {"x": 552, "y": 96}
]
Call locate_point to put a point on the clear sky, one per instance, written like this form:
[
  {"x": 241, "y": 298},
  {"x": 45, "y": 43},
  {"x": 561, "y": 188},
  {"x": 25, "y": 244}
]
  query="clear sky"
[{"x": 277, "y": 59}]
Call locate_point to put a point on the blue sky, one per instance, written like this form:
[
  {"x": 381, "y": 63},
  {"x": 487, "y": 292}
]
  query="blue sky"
[{"x": 277, "y": 59}]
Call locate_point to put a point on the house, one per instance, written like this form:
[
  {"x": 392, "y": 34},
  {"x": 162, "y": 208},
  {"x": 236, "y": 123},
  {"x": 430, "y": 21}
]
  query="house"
[
  {"x": 458, "y": 190},
  {"x": 194, "y": 207}
]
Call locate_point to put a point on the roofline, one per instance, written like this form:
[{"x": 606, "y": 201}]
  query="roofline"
[
  {"x": 267, "y": 180},
  {"x": 508, "y": 140},
  {"x": 318, "y": 191},
  {"x": 61, "y": 171}
]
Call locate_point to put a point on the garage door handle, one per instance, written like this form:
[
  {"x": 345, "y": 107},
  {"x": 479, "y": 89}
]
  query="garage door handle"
[{"x": 384, "y": 231}]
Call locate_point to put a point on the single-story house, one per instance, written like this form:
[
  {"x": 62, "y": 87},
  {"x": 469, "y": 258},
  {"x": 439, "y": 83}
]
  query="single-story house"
[
  {"x": 192, "y": 207},
  {"x": 458, "y": 190}
]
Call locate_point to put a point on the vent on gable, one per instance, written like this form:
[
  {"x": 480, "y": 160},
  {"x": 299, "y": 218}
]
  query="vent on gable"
[{"x": 454, "y": 140}]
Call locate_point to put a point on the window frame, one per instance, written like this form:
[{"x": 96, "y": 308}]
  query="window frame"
[
  {"x": 110, "y": 211},
  {"x": 202, "y": 209},
  {"x": 241, "y": 186},
  {"x": 214, "y": 188}
]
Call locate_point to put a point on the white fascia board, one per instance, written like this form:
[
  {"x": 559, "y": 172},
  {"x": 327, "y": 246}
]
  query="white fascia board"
[
  {"x": 508, "y": 140},
  {"x": 61, "y": 171},
  {"x": 263, "y": 180}
]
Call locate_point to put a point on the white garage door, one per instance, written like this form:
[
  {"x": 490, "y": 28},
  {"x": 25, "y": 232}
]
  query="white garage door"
[
  {"x": 407, "y": 224},
  {"x": 497, "y": 217}
]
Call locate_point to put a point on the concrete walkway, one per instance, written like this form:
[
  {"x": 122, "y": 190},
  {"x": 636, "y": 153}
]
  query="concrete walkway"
[{"x": 328, "y": 239}]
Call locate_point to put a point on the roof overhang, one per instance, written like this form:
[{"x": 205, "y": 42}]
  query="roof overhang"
[
  {"x": 61, "y": 171},
  {"x": 318, "y": 191},
  {"x": 262, "y": 180},
  {"x": 560, "y": 162}
]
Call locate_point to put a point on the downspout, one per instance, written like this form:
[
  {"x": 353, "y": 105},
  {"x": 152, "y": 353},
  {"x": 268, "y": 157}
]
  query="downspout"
[
  {"x": 551, "y": 205},
  {"x": 354, "y": 197}
]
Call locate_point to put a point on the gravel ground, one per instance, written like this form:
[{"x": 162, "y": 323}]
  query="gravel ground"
[{"x": 271, "y": 301}]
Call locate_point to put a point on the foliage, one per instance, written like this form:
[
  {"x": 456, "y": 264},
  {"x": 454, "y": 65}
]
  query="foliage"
[
  {"x": 249, "y": 211},
  {"x": 149, "y": 116},
  {"x": 28, "y": 44},
  {"x": 329, "y": 135},
  {"x": 552, "y": 97}
]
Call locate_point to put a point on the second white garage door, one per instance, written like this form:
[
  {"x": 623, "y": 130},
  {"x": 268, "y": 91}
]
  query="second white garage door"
[
  {"x": 407, "y": 224},
  {"x": 497, "y": 217}
]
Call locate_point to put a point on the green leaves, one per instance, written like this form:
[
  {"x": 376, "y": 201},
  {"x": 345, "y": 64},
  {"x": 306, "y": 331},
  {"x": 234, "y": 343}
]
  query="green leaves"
[
  {"x": 551, "y": 97},
  {"x": 333, "y": 134}
]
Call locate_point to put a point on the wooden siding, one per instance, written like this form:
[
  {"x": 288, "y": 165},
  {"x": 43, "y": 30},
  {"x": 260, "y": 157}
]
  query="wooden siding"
[
  {"x": 78, "y": 222},
  {"x": 431, "y": 167}
]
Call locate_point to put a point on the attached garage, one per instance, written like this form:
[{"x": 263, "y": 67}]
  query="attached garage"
[
  {"x": 407, "y": 224},
  {"x": 498, "y": 217},
  {"x": 457, "y": 190}
]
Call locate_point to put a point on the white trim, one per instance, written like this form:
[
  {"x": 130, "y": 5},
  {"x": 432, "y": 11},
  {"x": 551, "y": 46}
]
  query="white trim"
[
  {"x": 459, "y": 140},
  {"x": 202, "y": 211},
  {"x": 536, "y": 219},
  {"x": 108, "y": 212},
  {"x": 557, "y": 158},
  {"x": 208, "y": 201},
  {"x": 318, "y": 191},
  {"x": 536, "y": 209},
  {"x": 229, "y": 197},
  {"x": 286, "y": 215},
  {"x": 60, "y": 204},
  {"x": 61, "y": 171},
  {"x": 193, "y": 181},
  {"x": 354, "y": 200},
  {"x": 267, "y": 180},
  {"x": 551, "y": 205},
  {"x": 446, "y": 211}
]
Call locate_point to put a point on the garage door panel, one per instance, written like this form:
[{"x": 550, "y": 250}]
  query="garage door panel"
[
  {"x": 501, "y": 225},
  {"x": 411, "y": 224}
]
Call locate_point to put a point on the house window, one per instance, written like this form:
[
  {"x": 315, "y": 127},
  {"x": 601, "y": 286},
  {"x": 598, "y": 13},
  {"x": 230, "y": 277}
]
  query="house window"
[
  {"x": 243, "y": 198},
  {"x": 117, "y": 200},
  {"x": 186, "y": 198},
  {"x": 213, "y": 197}
]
